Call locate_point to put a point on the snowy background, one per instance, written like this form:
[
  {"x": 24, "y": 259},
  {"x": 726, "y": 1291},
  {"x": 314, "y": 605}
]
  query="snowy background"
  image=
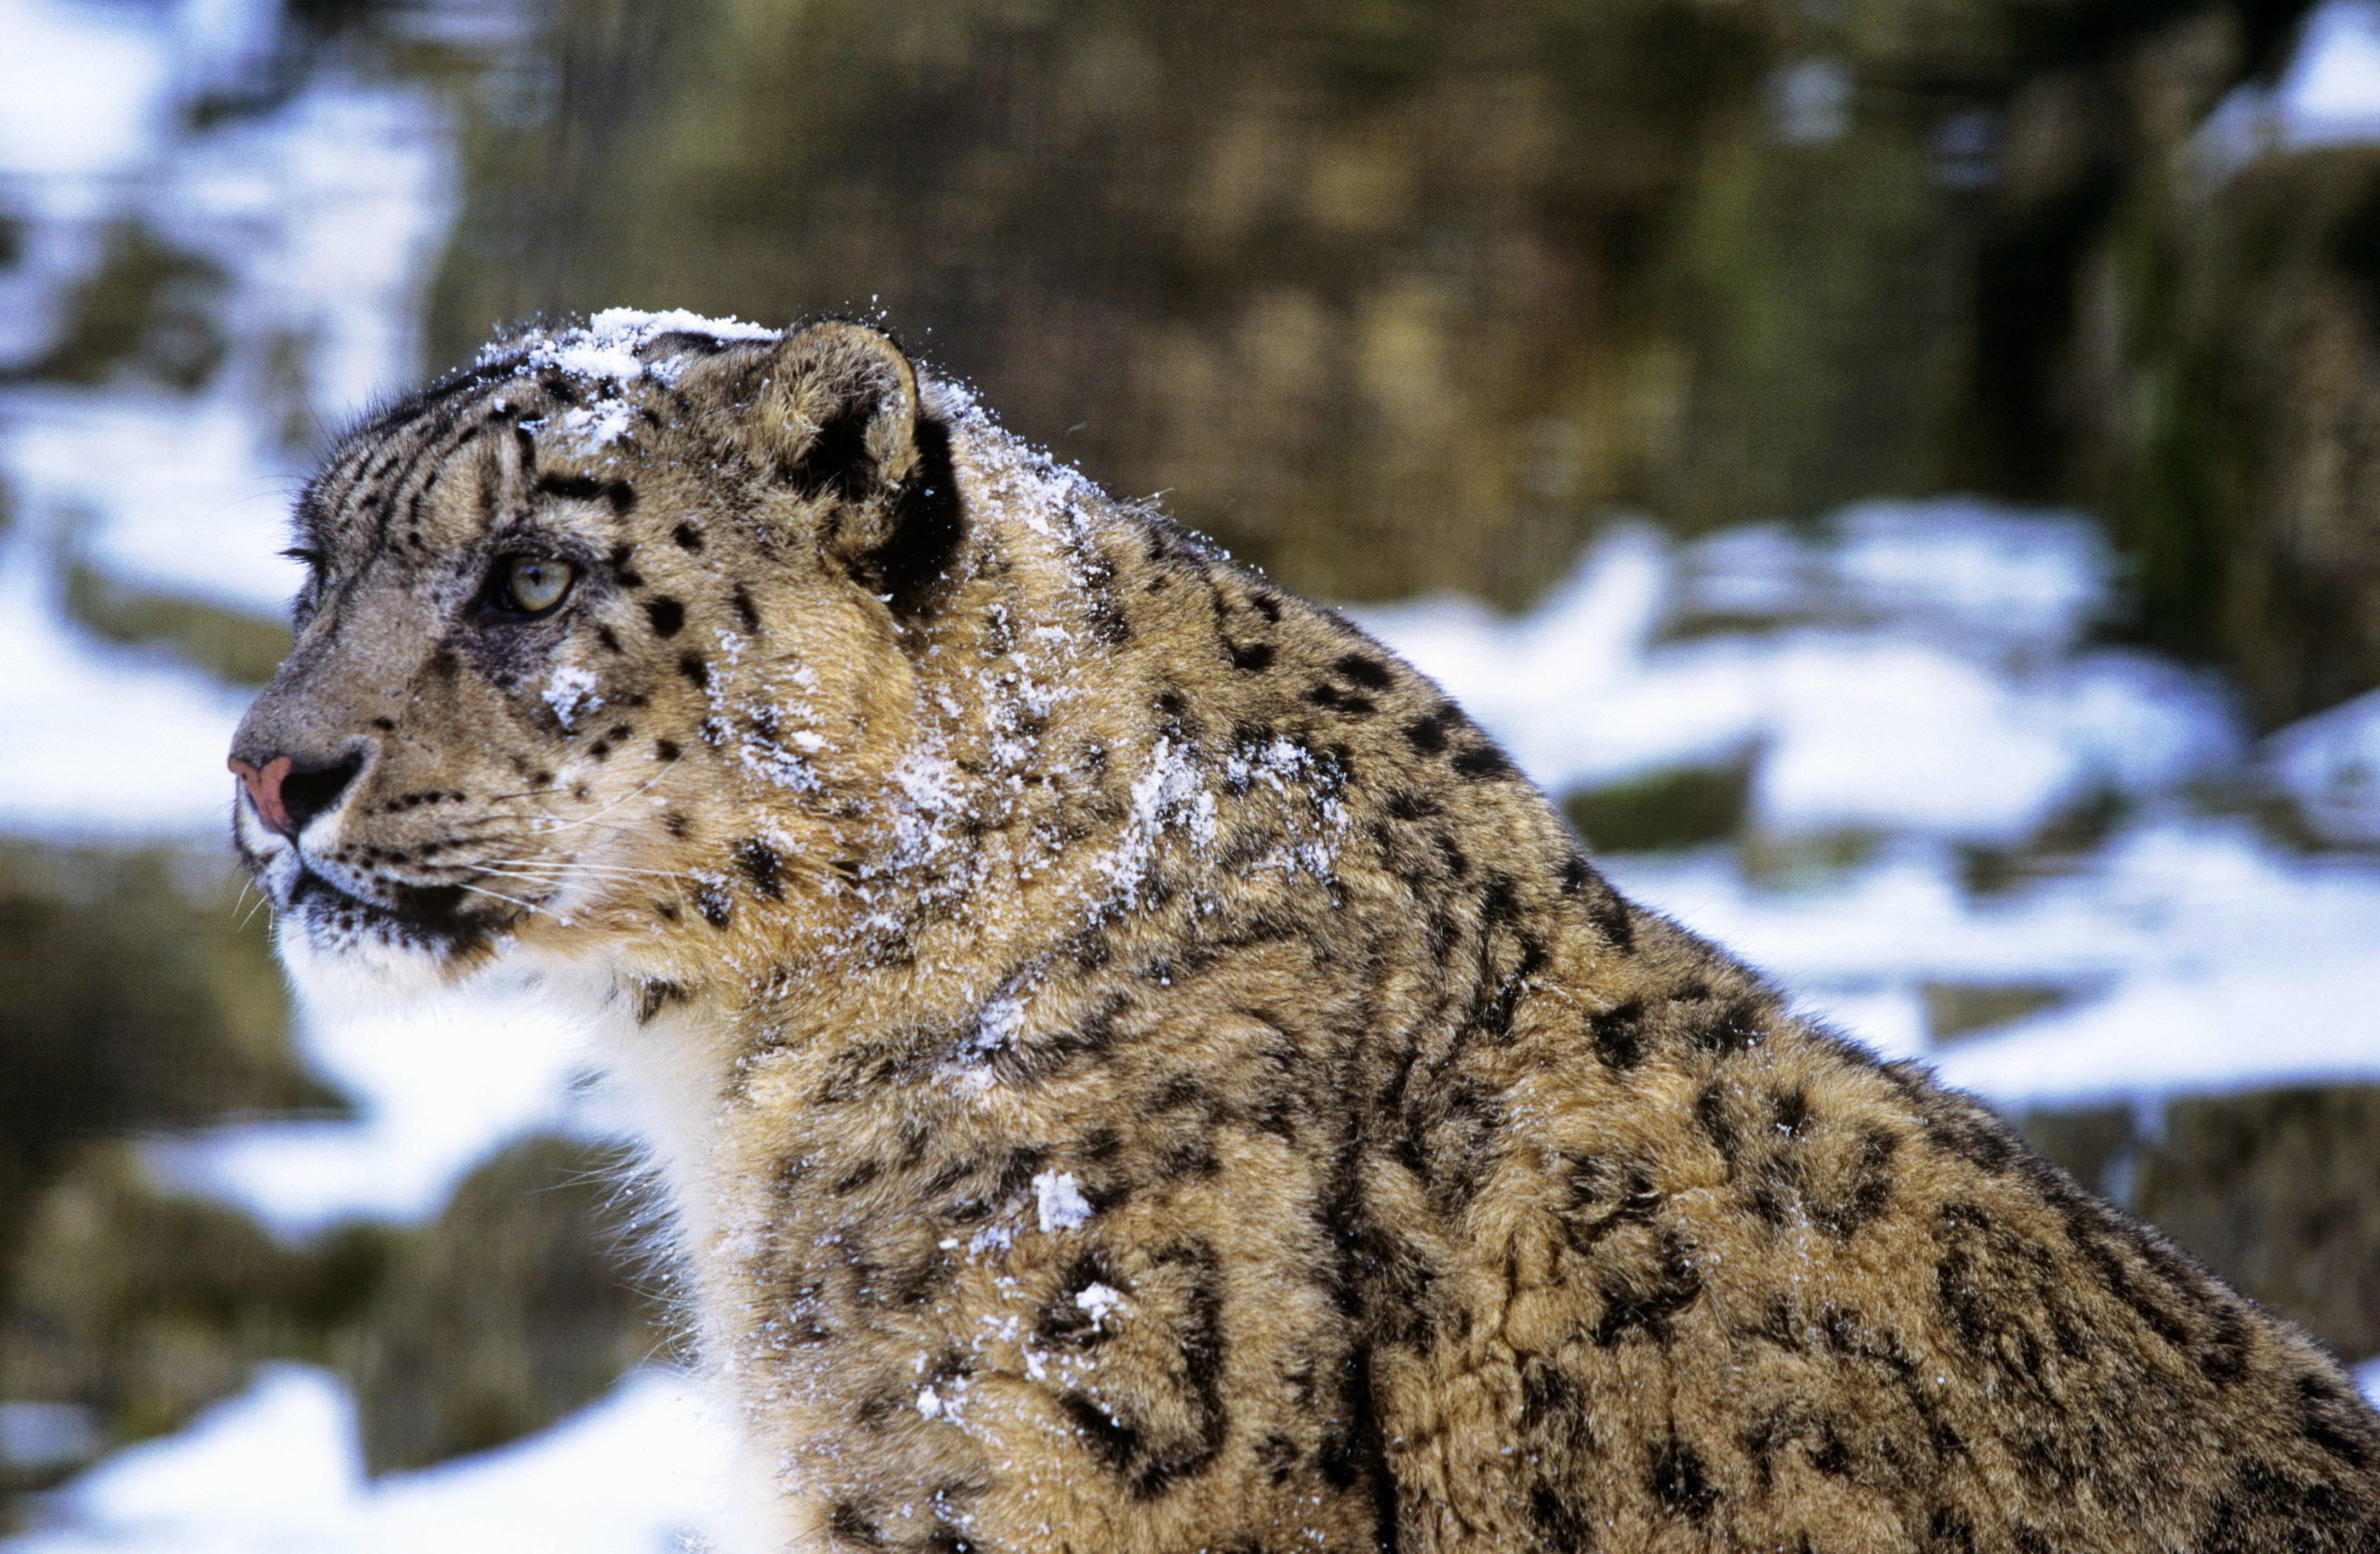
[{"x": 1939, "y": 805}]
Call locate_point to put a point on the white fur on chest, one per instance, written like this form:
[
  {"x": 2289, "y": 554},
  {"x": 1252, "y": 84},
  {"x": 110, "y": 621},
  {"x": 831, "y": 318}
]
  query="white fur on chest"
[{"x": 666, "y": 1074}]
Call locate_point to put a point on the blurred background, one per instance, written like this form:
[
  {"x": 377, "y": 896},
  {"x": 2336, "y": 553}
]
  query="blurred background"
[{"x": 1901, "y": 472}]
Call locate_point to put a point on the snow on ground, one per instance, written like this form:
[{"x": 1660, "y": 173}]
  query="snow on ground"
[
  {"x": 1905, "y": 668},
  {"x": 83, "y": 90},
  {"x": 315, "y": 227},
  {"x": 2330, "y": 763},
  {"x": 276, "y": 1470},
  {"x": 2331, "y": 90},
  {"x": 321, "y": 219},
  {"x": 2328, "y": 94},
  {"x": 439, "y": 1084}
]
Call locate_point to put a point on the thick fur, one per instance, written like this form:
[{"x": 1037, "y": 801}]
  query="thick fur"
[{"x": 1137, "y": 1070}]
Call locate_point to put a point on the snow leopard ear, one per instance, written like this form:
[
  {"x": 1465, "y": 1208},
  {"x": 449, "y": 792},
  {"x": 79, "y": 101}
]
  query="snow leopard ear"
[{"x": 841, "y": 407}]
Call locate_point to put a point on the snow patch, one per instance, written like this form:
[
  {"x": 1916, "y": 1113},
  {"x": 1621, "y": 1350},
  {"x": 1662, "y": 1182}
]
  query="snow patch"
[
  {"x": 276, "y": 1470},
  {"x": 1901, "y": 668},
  {"x": 639, "y": 327},
  {"x": 1058, "y": 1201},
  {"x": 1099, "y": 1302},
  {"x": 2328, "y": 94},
  {"x": 2330, "y": 766},
  {"x": 439, "y": 1084},
  {"x": 570, "y": 692},
  {"x": 2331, "y": 90},
  {"x": 84, "y": 91},
  {"x": 604, "y": 357},
  {"x": 1170, "y": 794}
]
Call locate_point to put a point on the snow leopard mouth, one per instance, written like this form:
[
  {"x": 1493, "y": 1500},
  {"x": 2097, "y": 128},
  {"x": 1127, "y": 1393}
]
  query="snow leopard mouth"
[{"x": 428, "y": 917}]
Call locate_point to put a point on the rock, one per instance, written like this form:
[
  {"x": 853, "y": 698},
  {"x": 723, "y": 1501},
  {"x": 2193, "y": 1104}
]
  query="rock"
[
  {"x": 1664, "y": 811},
  {"x": 2250, "y": 482},
  {"x": 517, "y": 1305},
  {"x": 131, "y": 1306},
  {"x": 1957, "y": 1010},
  {"x": 139, "y": 998},
  {"x": 2279, "y": 1190},
  {"x": 150, "y": 310}
]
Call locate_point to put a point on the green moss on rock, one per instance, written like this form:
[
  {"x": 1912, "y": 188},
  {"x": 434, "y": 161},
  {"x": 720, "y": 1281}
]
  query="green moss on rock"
[
  {"x": 1663, "y": 811},
  {"x": 138, "y": 1306}
]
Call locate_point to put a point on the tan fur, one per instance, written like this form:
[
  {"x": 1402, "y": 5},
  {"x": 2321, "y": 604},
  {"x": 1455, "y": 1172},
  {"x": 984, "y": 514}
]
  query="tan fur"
[{"x": 1138, "y": 1071}]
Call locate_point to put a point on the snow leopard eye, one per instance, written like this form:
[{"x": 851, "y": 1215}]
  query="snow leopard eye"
[{"x": 526, "y": 587}]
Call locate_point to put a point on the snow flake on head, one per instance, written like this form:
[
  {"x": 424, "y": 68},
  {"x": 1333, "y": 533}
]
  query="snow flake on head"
[
  {"x": 570, "y": 692},
  {"x": 601, "y": 360},
  {"x": 1099, "y": 1302},
  {"x": 781, "y": 759},
  {"x": 641, "y": 328},
  {"x": 1291, "y": 770},
  {"x": 970, "y": 1068},
  {"x": 1058, "y": 1201},
  {"x": 597, "y": 425},
  {"x": 932, "y": 791}
]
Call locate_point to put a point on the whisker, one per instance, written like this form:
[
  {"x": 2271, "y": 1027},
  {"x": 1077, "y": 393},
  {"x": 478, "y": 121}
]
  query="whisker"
[
  {"x": 540, "y": 872},
  {"x": 539, "y": 794},
  {"x": 524, "y": 906},
  {"x": 639, "y": 791},
  {"x": 550, "y": 883},
  {"x": 599, "y": 871},
  {"x": 243, "y": 905}
]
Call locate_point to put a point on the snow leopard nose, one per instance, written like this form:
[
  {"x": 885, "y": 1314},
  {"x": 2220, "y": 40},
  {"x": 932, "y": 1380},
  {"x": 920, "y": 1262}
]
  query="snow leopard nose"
[{"x": 286, "y": 795}]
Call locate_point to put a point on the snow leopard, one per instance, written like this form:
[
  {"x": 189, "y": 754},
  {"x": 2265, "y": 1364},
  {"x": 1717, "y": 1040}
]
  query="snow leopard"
[{"x": 1132, "y": 1068}]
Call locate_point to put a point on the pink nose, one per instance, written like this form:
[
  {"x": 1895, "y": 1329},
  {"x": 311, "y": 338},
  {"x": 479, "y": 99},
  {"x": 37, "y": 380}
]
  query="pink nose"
[{"x": 264, "y": 792}]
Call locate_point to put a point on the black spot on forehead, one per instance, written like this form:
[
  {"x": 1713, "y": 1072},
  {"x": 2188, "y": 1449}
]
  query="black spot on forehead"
[
  {"x": 399, "y": 455},
  {"x": 619, "y": 493},
  {"x": 486, "y": 378}
]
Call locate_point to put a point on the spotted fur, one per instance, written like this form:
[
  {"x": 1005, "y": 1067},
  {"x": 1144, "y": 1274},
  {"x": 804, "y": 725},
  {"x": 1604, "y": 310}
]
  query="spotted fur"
[{"x": 1136, "y": 1069}]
